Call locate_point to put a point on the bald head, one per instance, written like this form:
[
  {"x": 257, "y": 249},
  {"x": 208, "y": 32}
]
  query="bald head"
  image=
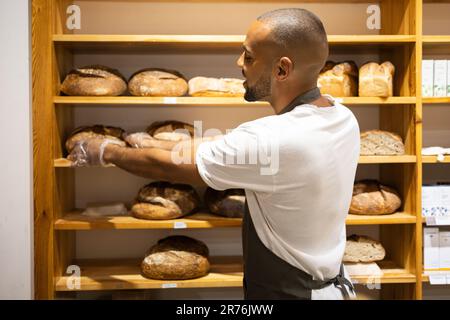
[{"x": 300, "y": 34}]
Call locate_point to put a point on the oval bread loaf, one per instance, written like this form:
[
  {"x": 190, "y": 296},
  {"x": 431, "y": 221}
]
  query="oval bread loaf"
[
  {"x": 372, "y": 198},
  {"x": 228, "y": 203},
  {"x": 94, "y": 80},
  {"x": 95, "y": 131},
  {"x": 381, "y": 143},
  {"x": 171, "y": 130},
  {"x": 376, "y": 80},
  {"x": 338, "y": 80},
  {"x": 214, "y": 87},
  {"x": 154, "y": 82},
  {"x": 363, "y": 249},
  {"x": 163, "y": 200},
  {"x": 176, "y": 258}
]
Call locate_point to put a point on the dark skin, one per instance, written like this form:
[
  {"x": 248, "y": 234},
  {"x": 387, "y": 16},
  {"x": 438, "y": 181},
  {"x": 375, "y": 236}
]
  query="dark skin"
[{"x": 261, "y": 55}]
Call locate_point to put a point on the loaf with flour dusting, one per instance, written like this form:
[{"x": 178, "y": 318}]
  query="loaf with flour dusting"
[
  {"x": 381, "y": 143},
  {"x": 155, "y": 82},
  {"x": 363, "y": 249},
  {"x": 372, "y": 198},
  {"x": 227, "y": 203}
]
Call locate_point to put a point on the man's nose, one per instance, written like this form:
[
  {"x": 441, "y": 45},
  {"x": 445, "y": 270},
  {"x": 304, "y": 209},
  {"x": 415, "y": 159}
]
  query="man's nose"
[{"x": 240, "y": 60}]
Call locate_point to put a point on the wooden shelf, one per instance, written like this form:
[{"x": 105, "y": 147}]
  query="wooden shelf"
[
  {"x": 225, "y": 272},
  {"x": 387, "y": 159},
  {"x": 391, "y": 274},
  {"x": 395, "y": 218},
  {"x": 210, "y": 101},
  {"x": 433, "y": 159},
  {"x": 65, "y": 163},
  {"x": 435, "y": 40},
  {"x": 102, "y": 41},
  {"x": 436, "y": 100},
  {"x": 126, "y": 274},
  {"x": 77, "y": 221}
]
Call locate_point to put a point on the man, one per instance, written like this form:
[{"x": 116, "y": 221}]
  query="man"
[{"x": 297, "y": 167}]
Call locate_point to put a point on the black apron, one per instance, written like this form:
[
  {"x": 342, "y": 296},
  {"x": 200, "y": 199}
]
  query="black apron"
[{"x": 266, "y": 276}]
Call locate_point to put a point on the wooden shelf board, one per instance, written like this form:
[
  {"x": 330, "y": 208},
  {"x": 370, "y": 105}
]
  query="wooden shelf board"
[
  {"x": 210, "y": 101},
  {"x": 77, "y": 221},
  {"x": 432, "y": 39},
  {"x": 388, "y": 159},
  {"x": 126, "y": 274},
  {"x": 225, "y": 272},
  {"x": 436, "y": 100},
  {"x": 395, "y": 218},
  {"x": 210, "y": 40},
  {"x": 433, "y": 159},
  {"x": 391, "y": 274},
  {"x": 65, "y": 163}
]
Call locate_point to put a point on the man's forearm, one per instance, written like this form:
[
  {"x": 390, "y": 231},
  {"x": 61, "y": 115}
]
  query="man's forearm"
[{"x": 154, "y": 163}]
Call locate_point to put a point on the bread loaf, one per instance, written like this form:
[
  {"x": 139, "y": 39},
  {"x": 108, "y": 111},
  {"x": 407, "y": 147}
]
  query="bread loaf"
[
  {"x": 157, "y": 83},
  {"x": 176, "y": 258},
  {"x": 372, "y": 198},
  {"x": 363, "y": 249},
  {"x": 171, "y": 130},
  {"x": 213, "y": 87},
  {"x": 376, "y": 80},
  {"x": 95, "y": 131},
  {"x": 381, "y": 143},
  {"x": 228, "y": 203},
  {"x": 94, "y": 80},
  {"x": 338, "y": 80},
  {"x": 164, "y": 200}
]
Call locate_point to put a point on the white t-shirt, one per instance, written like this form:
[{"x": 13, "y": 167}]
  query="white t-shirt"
[{"x": 300, "y": 186}]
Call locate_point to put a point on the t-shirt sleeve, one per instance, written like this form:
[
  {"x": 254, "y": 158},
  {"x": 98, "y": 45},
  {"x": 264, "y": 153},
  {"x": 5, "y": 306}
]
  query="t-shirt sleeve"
[{"x": 243, "y": 158}]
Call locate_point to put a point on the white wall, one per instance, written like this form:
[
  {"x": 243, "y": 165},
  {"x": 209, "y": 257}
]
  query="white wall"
[{"x": 16, "y": 236}]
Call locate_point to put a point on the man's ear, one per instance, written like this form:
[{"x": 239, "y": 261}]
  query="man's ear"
[{"x": 284, "y": 68}]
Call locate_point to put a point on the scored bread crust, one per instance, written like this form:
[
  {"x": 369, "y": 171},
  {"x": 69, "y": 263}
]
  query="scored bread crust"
[
  {"x": 165, "y": 130},
  {"x": 227, "y": 203},
  {"x": 376, "y": 80},
  {"x": 94, "y": 80},
  {"x": 338, "y": 80},
  {"x": 95, "y": 131},
  {"x": 163, "y": 200},
  {"x": 363, "y": 249},
  {"x": 216, "y": 87},
  {"x": 379, "y": 142},
  {"x": 176, "y": 258},
  {"x": 156, "y": 82},
  {"x": 372, "y": 198}
]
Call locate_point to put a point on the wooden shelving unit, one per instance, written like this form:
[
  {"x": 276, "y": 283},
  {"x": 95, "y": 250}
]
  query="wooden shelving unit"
[
  {"x": 56, "y": 224},
  {"x": 433, "y": 159}
]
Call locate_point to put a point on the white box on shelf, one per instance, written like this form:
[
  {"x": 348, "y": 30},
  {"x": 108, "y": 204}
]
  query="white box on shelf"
[
  {"x": 427, "y": 78},
  {"x": 430, "y": 201},
  {"x": 444, "y": 192},
  {"x": 430, "y": 248},
  {"x": 440, "y": 78},
  {"x": 444, "y": 249}
]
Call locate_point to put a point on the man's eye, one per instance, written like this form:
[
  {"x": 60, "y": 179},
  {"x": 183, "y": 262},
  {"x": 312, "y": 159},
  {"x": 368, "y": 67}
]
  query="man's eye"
[{"x": 247, "y": 58}]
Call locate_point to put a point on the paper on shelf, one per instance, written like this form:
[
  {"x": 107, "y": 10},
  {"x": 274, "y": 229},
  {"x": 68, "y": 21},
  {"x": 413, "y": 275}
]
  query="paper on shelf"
[{"x": 105, "y": 209}]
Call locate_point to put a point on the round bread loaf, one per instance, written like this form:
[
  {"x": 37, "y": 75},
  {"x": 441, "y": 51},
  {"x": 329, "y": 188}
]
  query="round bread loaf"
[
  {"x": 163, "y": 200},
  {"x": 96, "y": 131},
  {"x": 372, "y": 198},
  {"x": 379, "y": 142},
  {"x": 228, "y": 203},
  {"x": 176, "y": 258},
  {"x": 215, "y": 87},
  {"x": 171, "y": 130},
  {"x": 376, "y": 80},
  {"x": 339, "y": 80},
  {"x": 94, "y": 80},
  {"x": 363, "y": 249},
  {"x": 154, "y": 82}
]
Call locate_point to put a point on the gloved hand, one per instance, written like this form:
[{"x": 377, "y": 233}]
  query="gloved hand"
[
  {"x": 89, "y": 152},
  {"x": 140, "y": 140}
]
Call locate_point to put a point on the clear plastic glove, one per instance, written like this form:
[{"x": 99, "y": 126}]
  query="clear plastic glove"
[
  {"x": 140, "y": 140},
  {"x": 89, "y": 152}
]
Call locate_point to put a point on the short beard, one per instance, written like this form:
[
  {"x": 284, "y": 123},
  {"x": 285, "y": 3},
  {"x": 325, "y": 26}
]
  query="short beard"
[{"x": 260, "y": 90}]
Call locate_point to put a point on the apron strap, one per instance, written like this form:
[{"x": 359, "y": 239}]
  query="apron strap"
[{"x": 341, "y": 282}]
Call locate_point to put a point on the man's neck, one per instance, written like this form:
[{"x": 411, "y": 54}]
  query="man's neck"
[{"x": 281, "y": 100}]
